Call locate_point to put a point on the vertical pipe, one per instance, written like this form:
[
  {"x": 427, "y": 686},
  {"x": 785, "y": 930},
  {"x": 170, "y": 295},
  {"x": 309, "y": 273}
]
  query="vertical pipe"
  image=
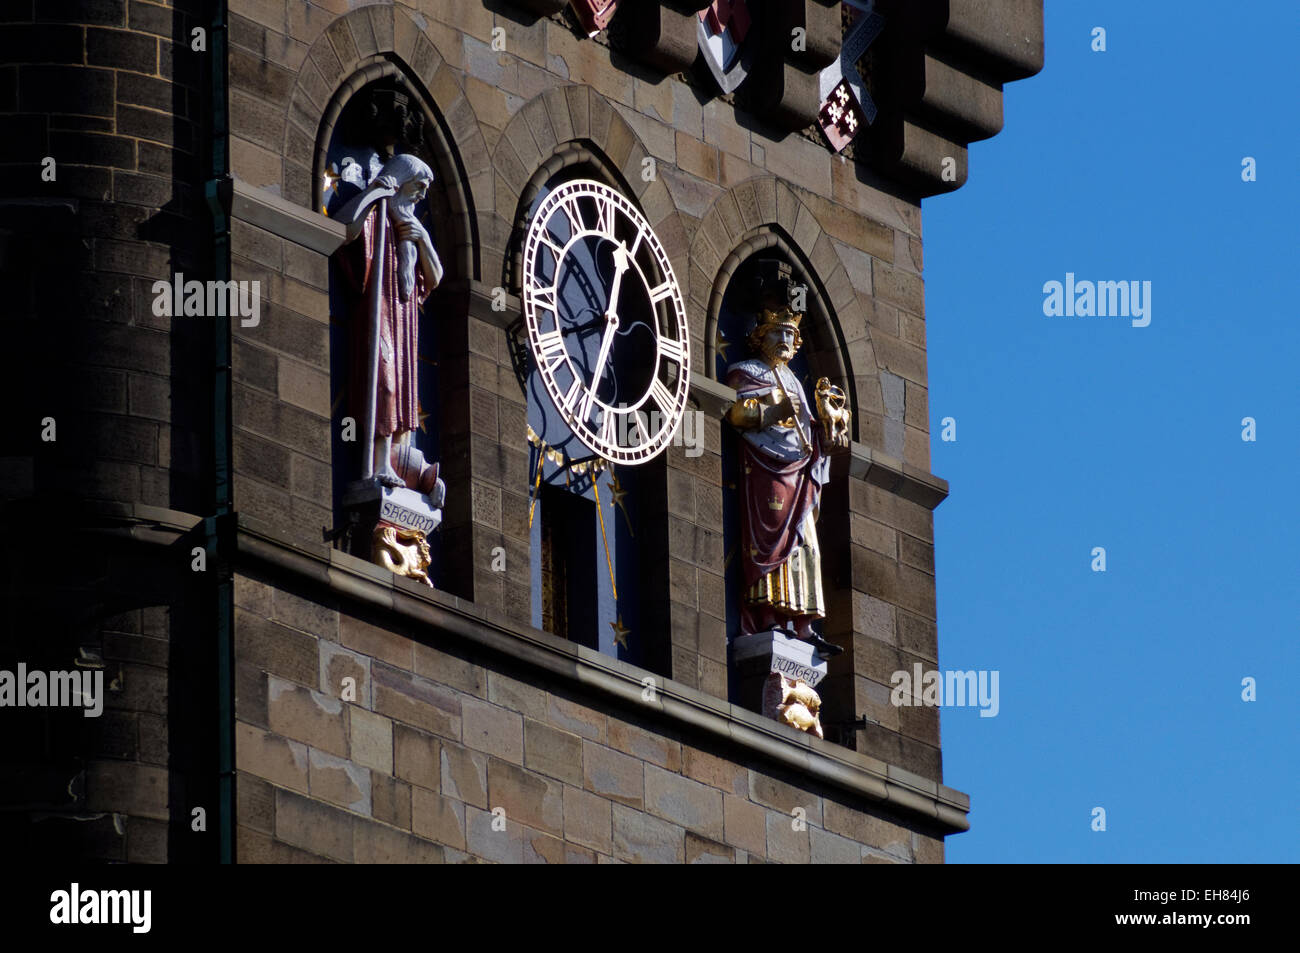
[{"x": 218, "y": 524}]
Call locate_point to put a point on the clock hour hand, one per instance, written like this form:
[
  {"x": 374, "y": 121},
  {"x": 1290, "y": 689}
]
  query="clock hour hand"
[{"x": 621, "y": 264}]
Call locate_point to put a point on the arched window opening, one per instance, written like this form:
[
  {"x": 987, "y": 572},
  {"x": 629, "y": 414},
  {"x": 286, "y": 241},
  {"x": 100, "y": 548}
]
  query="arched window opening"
[
  {"x": 599, "y": 535},
  {"x": 784, "y": 513},
  {"x": 385, "y": 128}
]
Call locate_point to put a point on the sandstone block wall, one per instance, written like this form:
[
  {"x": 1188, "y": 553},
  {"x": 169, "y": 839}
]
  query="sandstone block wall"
[
  {"x": 723, "y": 182},
  {"x": 440, "y": 737}
]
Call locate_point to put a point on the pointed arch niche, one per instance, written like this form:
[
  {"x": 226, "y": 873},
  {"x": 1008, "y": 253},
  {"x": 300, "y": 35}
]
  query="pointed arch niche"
[
  {"x": 379, "y": 111},
  {"x": 728, "y": 322},
  {"x": 598, "y": 542}
]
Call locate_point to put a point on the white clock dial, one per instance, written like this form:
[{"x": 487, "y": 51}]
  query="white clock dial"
[{"x": 606, "y": 321}]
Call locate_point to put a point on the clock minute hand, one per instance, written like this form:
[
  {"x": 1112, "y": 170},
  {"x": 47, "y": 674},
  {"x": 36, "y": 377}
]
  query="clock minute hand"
[{"x": 621, "y": 264}]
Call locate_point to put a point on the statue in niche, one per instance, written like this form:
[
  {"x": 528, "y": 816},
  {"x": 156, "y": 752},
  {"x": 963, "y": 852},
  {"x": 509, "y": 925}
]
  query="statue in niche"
[
  {"x": 390, "y": 273},
  {"x": 388, "y": 265},
  {"x": 785, "y": 447}
]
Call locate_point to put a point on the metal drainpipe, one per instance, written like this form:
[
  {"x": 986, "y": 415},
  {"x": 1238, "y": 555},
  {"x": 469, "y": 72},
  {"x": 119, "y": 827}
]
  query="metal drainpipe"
[{"x": 217, "y": 528}]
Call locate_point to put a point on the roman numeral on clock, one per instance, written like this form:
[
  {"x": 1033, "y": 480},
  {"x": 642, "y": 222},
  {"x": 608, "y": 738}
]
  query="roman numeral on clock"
[
  {"x": 544, "y": 298},
  {"x": 674, "y": 351},
  {"x": 556, "y": 251},
  {"x": 570, "y": 400},
  {"x": 569, "y": 207},
  {"x": 661, "y": 292},
  {"x": 608, "y": 419},
  {"x": 661, "y": 395},
  {"x": 551, "y": 351},
  {"x": 605, "y": 215}
]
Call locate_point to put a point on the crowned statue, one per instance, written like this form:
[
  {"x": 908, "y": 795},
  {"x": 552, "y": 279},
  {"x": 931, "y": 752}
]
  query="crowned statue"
[{"x": 786, "y": 441}]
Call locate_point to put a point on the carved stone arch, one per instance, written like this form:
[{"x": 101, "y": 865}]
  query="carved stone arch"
[
  {"x": 577, "y": 156},
  {"x": 377, "y": 42},
  {"x": 822, "y": 345},
  {"x": 563, "y": 127},
  {"x": 763, "y": 213}
]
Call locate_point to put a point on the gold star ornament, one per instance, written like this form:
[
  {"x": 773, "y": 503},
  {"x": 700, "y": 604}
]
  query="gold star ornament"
[{"x": 620, "y": 632}]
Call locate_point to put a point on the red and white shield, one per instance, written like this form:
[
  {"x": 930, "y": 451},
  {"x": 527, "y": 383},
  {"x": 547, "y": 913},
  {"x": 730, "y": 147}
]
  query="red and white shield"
[
  {"x": 846, "y": 105},
  {"x": 841, "y": 116},
  {"x": 722, "y": 31}
]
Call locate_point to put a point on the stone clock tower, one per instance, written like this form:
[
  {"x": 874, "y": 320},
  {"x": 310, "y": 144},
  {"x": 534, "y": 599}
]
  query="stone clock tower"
[{"x": 373, "y": 424}]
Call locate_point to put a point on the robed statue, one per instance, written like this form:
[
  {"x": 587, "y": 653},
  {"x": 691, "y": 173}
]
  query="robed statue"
[
  {"x": 390, "y": 266},
  {"x": 785, "y": 447}
]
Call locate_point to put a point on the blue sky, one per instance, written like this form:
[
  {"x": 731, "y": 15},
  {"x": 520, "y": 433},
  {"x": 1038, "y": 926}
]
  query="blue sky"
[{"x": 1122, "y": 689}]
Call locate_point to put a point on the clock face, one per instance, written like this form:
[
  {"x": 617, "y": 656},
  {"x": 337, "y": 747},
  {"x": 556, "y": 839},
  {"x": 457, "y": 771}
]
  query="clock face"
[{"x": 606, "y": 322}]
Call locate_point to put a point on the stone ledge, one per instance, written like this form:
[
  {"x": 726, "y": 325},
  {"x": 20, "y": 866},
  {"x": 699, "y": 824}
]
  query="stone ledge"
[
  {"x": 279, "y": 216},
  {"x": 38, "y": 214},
  {"x": 138, "y": 518},
  {"x": 712, "y": 397},
  {"x": 358, "y": 581},
  {"x": 890, "y": 473}
]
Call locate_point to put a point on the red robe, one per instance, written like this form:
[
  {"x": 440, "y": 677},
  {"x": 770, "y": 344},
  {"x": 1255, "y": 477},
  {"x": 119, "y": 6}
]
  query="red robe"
[
  {"x": 776, "y": 468},
  {"x": 398, "y": 406}
]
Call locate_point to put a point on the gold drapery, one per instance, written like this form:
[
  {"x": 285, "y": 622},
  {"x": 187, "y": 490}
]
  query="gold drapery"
[{"x": 795, "y": 586}]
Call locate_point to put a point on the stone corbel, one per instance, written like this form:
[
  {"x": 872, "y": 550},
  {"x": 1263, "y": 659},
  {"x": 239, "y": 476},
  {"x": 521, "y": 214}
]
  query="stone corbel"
[
  {"x": 658, "y": 35},
  {"x": 820, "y": 21},
  {"x": 938, "y": 74},
  {"x": 785, "y": 86},
  {"x": 784, "y": 95},
  {"x": 916, "y": 155}
]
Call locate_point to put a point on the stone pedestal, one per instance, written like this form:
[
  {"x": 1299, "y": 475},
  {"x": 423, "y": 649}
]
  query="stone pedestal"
[
  {"x": 391, "y": 525},
  {"x": 398, "y": 505},
  {"x": 771, "y": 666}
]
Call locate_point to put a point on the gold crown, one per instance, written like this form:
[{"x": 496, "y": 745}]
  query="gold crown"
[{"x": 785, "y": 316}]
